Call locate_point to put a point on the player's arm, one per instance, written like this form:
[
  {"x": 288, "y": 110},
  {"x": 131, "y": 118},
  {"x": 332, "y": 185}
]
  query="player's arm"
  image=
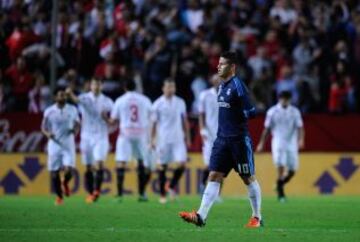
[
  {"x": 301, "y": 130},
  {"x": 202, "y": 126},
  {"x": 249, "y": 109},
  {"x": 153, "y": 134},
  {"x": 301, "y": 138},
  {"x": 45, "y": 128},
  {"x": 76, "y": 126},
  {"x": 186, "y": 128},
  {"x": 71, "y": 95},
  {"x": 265, "y": 133},
  {"x": 114, "y": 116}
]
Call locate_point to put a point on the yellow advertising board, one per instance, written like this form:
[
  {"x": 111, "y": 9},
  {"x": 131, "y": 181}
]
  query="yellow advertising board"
[{"x": 319, "y": 173}]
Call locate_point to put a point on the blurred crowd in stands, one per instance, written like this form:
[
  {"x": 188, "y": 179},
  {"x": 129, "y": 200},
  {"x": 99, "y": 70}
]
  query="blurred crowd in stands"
[{"x": 309, "y": 47}]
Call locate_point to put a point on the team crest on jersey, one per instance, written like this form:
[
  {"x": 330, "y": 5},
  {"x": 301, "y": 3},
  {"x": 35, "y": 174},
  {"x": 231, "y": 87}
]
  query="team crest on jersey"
[{"x": 228, "y": 91}]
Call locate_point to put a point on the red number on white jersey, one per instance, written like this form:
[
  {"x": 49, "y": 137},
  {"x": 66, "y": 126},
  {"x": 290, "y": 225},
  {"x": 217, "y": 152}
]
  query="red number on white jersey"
[{"x": 134, "y": 113}]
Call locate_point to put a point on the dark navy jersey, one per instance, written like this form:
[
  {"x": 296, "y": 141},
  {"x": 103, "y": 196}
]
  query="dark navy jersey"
[{"x": 235, "y": 108}]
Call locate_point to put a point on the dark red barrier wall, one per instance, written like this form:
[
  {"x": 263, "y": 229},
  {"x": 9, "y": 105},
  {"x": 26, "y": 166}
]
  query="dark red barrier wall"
[{"x": 20, "y": 132}]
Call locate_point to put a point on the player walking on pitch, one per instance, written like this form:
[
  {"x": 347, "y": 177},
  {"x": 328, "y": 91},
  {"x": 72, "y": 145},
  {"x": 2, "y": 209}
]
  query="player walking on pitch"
[
  {"x": 170, "y": 135},
  {"x": 59, "y": 124},
  {"x": 286, "y": 126},
  {"x": 232, "y": 148},
  {"x": 95, "y": 108},
  {"x": 132, "y": 110}
]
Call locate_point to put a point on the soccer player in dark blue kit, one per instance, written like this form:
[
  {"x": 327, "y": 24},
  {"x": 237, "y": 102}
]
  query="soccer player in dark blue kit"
[{"x": 232, "y": 148}]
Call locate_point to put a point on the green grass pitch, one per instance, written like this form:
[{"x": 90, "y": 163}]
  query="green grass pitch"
[{"x": 325, "y": 218}]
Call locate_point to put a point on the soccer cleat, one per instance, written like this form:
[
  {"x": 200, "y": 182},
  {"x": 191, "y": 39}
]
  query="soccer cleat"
[
  {"x": 89, "y": 199},
  {"x": 59, "y": 201},
  {"x": 172, "y": 194},
  {"x": 219, "y": 200},
  {"x": 254, "y": 222},
  {"x": 163, "y": 200},
  {"x": 192, "y": 217},
  {"x": 96, "y": 195},
  {"x": 143, "y": 198},
  {"x": 66, "y": 189}
]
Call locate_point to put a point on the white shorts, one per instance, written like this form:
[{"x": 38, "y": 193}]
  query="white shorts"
[
  {"x": 206, "y": 150},
  {"x": 94, "y": 150},
  {"x": 60, "y": 156},
  {"x": 172, "y": 152},
  {"x": 286, "y": 158},
  {"x": 132, "y": 148}
]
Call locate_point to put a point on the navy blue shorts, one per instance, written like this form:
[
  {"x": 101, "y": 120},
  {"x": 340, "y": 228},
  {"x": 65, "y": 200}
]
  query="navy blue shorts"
[{"x": 233, "y": 153}]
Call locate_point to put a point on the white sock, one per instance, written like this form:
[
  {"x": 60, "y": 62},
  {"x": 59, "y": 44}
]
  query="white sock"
[
  {"x": 254, "y": 192},
  {"x": 210, "y": 194}
]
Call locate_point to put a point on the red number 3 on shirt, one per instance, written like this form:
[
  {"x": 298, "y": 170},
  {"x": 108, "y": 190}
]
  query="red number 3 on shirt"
[{"x": 134, "y": 113}]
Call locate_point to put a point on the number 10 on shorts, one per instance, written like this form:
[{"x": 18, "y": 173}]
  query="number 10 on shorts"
[{"x": 243, "y": 168}]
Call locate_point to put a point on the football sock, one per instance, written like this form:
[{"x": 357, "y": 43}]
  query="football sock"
[
  {"x": 205, "y": 176},
  {"x": 254, "y": 193},
  {"x": 288, "y": 177},
  {"x": 210, "y": 194},
  {"x": 89, "y": 180},
  {"x": 280, "y": 188},
  {"x": 120, "y": 172},
  {"x": 177, "y": 175},
  {"x": 141, "y": 179},
  {"x": 99, "y": 179},
  {"x": 56, "y": 182},
  {"x": 68, "y": 175},
  {"x": 147, "y": 176},
  {"x": 162, "y": 180}
]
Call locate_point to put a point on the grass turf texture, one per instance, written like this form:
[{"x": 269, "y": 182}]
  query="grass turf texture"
[{"x": 324, "y": 218}]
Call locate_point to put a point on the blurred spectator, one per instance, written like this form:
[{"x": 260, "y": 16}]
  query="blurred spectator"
[
  {"x": 284, "y": 12},
  {"x": 259, "y": 63},
  {"x": 158, "y": 60},
  {"x": 21, "y": 82},
  {"x": 341, "y": 96},
  {"x": 39, "y": 95},
  {"x": 194, "y": 15},
  {"x": 288, "y": 83}
]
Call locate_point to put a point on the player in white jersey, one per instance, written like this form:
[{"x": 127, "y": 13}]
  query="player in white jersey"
[
  {"x": 208, "y": 122},
  {"x": 95, "y": 109},
  {"x": 170, "y": 135},
  {"x": 59, "y": 124},
  {"x": 286, "y": 126},
  {"x": 132, "y": 110}
]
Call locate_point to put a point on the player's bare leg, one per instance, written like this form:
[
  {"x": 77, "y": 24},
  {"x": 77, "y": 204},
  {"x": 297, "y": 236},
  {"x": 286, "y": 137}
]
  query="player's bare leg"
[
  {"x": 178, "y": 172},
  {"x": 210, "y": 194},
  {"x": 56, "y": 182},
  {"x": 68, "y": 173},
  {"x": 204, "y": 178},
  {"x": 162, "y": 183},
  {"x": 280, "y": 184},
  {"x": 285, "y": 179},
  {"x": 254, "y": 193},
  {"x": 120, "y": 173}
]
